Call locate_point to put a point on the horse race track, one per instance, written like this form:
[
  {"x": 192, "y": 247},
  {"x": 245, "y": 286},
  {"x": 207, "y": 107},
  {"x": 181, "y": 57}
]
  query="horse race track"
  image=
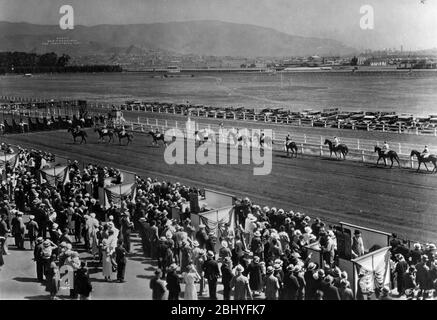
[{"x": 396, "y": 200}]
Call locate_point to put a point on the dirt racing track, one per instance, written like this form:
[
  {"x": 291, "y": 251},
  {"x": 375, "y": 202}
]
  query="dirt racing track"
[{"x": 391, "y": 200}]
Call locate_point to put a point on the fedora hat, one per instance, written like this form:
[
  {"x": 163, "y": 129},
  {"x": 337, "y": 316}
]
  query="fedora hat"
[
  {"x": 277, "y": 266},
  {"x": 224, "y": 244},
  {"x": 195, "y": 243},
  {"x": 239, "y": 268},
  {"x": 257, "y": 234},
  {"x": 270, "y": 270},
  {"x": 210, "y": 254},
  {"x": 311, "y": 266}
]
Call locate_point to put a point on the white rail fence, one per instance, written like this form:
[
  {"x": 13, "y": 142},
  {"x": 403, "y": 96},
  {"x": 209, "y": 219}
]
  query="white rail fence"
[{"x": 359, "y": 149}]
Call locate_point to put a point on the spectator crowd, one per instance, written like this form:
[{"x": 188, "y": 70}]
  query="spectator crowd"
[{"x": 264, "y": 257}]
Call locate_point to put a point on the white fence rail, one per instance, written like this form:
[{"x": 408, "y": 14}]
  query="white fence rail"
[{"x": 359, "y": 150}]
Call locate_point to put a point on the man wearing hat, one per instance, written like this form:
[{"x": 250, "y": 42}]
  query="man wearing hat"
[
  {"x": 291, "y": 284},
  {"x": 310, "y": 287},
  {"x": 224, "y": 251},
  {"x": 241, "y": 283},
  {"x": 227, "y": 275},
  {"x": 212, "y": 273},
  {"x": 32, "y": 231},
  {"x": 158, "y": 286},
  {"x": 37, "y": 257},
  {"x": 257, "y": 246},
  {"x": 173, "y": 283},
  {"x": 202, "y": 236},
  {"x": 330, "y": 292},
  {"x": 400, "y": 269},
  {"x": 357, "y": 244},
  {"x": 271, "y": 285},
  {"x": 18, "y": 230},
  {"x": 126, "y": 228}
]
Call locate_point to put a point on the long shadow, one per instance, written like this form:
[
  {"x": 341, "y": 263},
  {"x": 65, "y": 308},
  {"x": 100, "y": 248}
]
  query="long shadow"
[
  {"x": 23, "y": 279},
  {"x": 140, "y": 276}
]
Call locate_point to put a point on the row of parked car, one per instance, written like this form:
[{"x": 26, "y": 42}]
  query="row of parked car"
[{"x": 39, "y": 124}]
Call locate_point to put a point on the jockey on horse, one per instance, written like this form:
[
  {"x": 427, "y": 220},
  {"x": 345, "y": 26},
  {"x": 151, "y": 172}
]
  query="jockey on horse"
[
  {"x": 336, "y": 142},
  {"x": 425, "y": 153},
  {"x": 385, "y": 149}
]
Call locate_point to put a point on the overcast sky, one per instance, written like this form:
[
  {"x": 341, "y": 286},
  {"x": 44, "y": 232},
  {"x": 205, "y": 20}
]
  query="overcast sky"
[{"x": 397, "y": 22}]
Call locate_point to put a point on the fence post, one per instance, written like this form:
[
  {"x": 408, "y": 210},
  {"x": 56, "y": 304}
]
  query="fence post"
[
  {"x": 265, "y": 118},
  {"x": 198, "y": 112},
  {"x": 338, "y": 124},
  {"x": 312, "y": 123},
  {"x": 383, "y": 127},
  {"x": 412, "y": 162},
  {"x": 399, "y": 128},
  {"x": 321, "y": 150},
  {"x": 417, "y": 130},
  {"x": 362, "y": 155},
  {"x": 305, "y": 138},
  {"x": 358, "y": 144},
  {"x": 368, "y": 127},
  {"x": 325, "y": 124},
  {"x": 166, "y": 123},
  {"x": 435, "y": 132},
  {"x": 156, "y": 122},
  {"x": 176, "y": 124},
  {"x": 301, "y": 146},
  {"x": 147, "y": 121},
  {"x": 276, "y": 119},
  {"x": 132, "y": 126},
  {"x": 321, "y": 140},
  {"x": 142, "y": 128},
  {"x": 138, "y": 120}
]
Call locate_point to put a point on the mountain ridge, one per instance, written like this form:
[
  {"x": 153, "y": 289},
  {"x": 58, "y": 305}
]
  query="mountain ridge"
[{"x": 203, "y": 37}]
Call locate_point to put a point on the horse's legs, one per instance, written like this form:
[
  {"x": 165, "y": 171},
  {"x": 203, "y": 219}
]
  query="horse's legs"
[
  {"x": 426, "y": 166},
  {"x": 377, "y": 162},
  {"x": 418, "y": 167}
]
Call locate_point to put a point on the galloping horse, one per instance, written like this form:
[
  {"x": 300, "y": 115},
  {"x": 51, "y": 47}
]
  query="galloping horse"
[
  {"x": 156, "y": 138},
  {"x": 120, "y": 135},
  {"x": 342, "y": 148},
  {"x": 77, "y": 133},
  {"x": 431, "y": 158},
  {"x": 102, "y": 134},
  {"x": 291, "y": 146},
  {"x": 391, "y": 155}
]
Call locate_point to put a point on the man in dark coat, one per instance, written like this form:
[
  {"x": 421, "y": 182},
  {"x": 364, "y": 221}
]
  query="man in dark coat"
[
  {"x": 120, "y": 259},
  {"x": 310, "y": 288},
  {"x": 423, "y": 277},
  {"x": 227, "y": 276},
  {"x": 18, "y": 230},
  {"x": 37, "y": 257},
  {"x": 173, "y": 285},
  {"x": 330, "y": 292},
  {"x": 126, "y": 228},
  {"x": 32, "y": 231},
  {"x": 158, "y": 286},
  {"x": 291, "y": 284},
  {"x": 82, "y": 283},
  {"x": 202, "y": 236},
  {"x": 400, "y": 269},
  {"x": 212, "y": 273}
]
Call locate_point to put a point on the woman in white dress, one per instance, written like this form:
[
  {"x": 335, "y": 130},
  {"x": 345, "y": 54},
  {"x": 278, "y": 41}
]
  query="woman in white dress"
[
  {"x": 106, "y": 260},
  {"x": 190, "y": 278}
]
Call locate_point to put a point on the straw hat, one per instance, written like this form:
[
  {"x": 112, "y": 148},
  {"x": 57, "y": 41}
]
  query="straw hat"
[
  {"x": 239, "y": 268},
  {"x": 224, "y": 244},
  {"x": 269, "y": 270},
  {"x": 210, "y": 254}
]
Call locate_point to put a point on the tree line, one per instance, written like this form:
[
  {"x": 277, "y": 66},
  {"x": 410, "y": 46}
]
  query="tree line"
[{"x": 22, "y": 62}]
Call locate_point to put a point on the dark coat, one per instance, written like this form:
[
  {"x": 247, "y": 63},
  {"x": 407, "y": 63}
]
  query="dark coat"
[
  {"x": 211, "y": 269},
  {"x": 173, "y": 282},
  {"x": 330, "y": 293},
  {"x": 82, "y": 283},
  {"x": 226, "y": 275},
  {"x": 291, "y": 286},
  {"x": 255, "y": 276}
]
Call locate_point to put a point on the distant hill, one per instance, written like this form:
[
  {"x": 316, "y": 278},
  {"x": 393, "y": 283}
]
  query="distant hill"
[{"x": 192, "y": 37}]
